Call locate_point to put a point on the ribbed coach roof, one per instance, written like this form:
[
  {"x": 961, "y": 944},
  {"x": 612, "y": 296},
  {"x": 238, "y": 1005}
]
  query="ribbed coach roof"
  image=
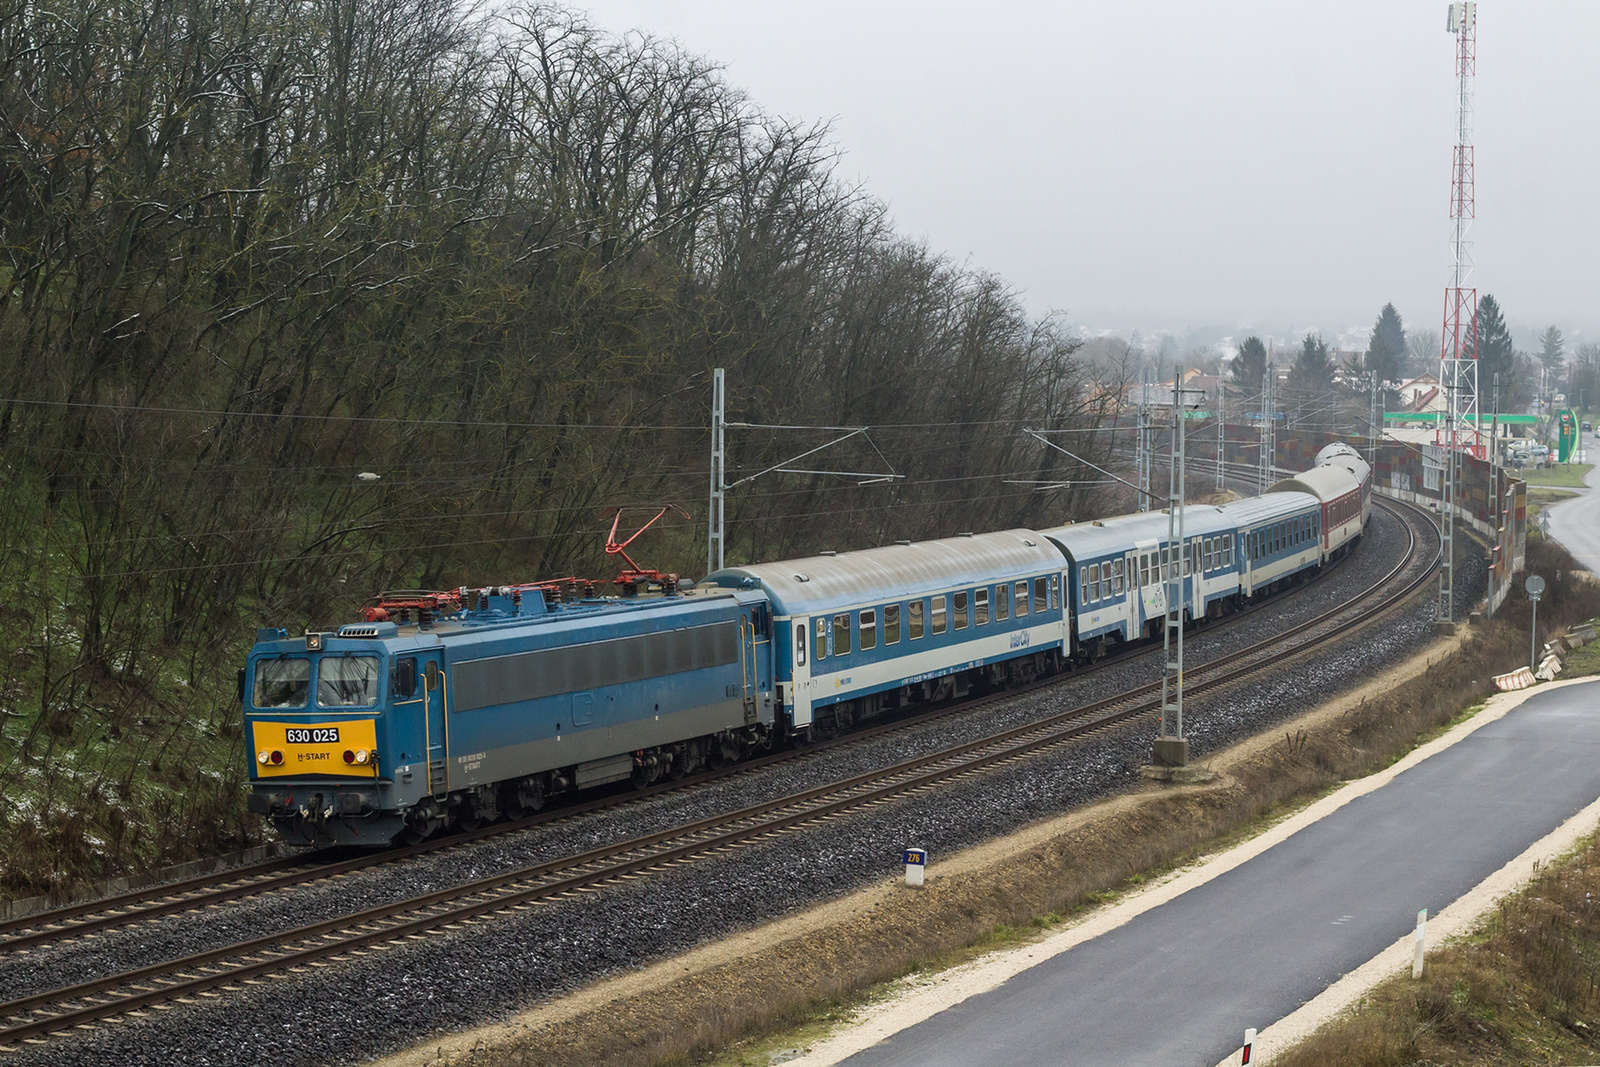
[
  {"x": 1328, "y": 482},
  {"x": 825, "y": 583},
  {"x": 1085, "y": 540},
  {"x": 1255, "y": 510}
]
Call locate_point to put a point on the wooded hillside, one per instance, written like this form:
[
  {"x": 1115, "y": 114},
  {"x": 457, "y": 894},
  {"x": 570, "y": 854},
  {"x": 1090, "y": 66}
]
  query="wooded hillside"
[{"x": 252, "y": 250}]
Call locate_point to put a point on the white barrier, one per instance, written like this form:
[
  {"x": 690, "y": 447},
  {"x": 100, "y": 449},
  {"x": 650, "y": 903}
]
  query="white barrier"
[
  {"x": 1549, "y": 667},
  {"x": 1520, "y": 678}
]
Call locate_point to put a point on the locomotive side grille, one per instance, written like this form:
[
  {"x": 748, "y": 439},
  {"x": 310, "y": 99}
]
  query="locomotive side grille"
[{"x": 549, "y": 672}]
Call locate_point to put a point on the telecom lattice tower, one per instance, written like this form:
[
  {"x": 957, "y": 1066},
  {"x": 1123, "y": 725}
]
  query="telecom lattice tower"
[{"x": 1458, "y": 357}]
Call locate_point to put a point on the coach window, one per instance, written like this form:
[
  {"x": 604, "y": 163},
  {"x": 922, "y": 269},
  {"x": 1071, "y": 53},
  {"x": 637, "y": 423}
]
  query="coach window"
[
  {"x": 1116, "y": 577},
  {"x": 1022, "y": 598},
  {"x": 869, "y": 629},
  {"x": 1040, "y": 595},
  {"x": 914, "y": 619},
  {"x": 958, "y": 608},
  {"x": 980, "y": 606},
  {"x": 819, "y": 647},
  {"x": 891, "y": 624},
  {"x": 841, "y": 634},
  {"x": 938, "y": 615},
  {"x": 1002, "y": 602}
]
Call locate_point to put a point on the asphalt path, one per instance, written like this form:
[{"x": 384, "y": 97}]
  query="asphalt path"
[
  {"x": 1575, "y": 522},
  {"x": 1179, "y": 983}
]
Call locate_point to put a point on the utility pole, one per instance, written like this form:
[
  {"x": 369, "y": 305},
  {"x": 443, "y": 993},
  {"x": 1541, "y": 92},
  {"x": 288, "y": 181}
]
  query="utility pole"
[
  {"x": 1171, "y": 747},
  {"x": 715, "y": 518},
  {"x": 1147, "y": 435},
  {"x": 1222, "y": 427},
  {"x": 1372, "y": 425},
  {"x": 1458, "y": 363},
  {"x": 1269, "y": 429},
  {"x": 1444, "y": 618}
]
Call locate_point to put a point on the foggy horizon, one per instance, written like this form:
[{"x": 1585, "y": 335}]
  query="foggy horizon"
[{"x": 1253, "y": 167}]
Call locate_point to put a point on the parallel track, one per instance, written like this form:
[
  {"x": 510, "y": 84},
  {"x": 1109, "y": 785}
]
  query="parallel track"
[
  {"x": 231, "y": 967},
  {"x": 201, "y": 891}
]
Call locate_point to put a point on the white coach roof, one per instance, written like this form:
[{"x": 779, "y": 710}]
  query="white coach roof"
[{"x": 826, "y": 583}]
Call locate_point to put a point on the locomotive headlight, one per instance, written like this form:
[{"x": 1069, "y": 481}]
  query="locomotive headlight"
[
  {"x": 362, "y": 755},
  {"x": 262, "y": 756}
]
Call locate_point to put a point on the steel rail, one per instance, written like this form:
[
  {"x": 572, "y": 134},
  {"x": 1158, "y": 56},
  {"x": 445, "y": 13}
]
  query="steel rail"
[
  {"x": 85, "y": 1003},
  {"x": 201, "y": 891}
]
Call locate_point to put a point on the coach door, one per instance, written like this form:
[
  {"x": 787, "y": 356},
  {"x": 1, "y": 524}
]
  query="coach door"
[
  {"x": 799, "y": 694},
  {"x": 435, "y": 722}
]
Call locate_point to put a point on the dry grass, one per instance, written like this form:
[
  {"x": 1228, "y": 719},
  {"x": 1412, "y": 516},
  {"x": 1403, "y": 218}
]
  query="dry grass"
[{"x": 1523, "y": 990}]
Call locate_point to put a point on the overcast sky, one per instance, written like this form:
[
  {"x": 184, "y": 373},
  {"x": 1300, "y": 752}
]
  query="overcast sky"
[{"x": 1172, "y": 165}]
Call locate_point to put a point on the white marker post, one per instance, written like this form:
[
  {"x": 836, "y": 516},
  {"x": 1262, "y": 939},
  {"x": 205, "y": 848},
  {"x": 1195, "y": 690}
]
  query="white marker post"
[
  {"x": 916, "y": 861},
  {"x": 1421, "y": 936},
  {"x": 1249, "y": 1046}
]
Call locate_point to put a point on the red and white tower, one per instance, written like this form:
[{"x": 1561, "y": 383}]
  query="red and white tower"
[{"x": 1458, "y": 360}]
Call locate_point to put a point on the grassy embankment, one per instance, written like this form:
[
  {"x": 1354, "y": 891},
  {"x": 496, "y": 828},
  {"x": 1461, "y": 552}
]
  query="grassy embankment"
[
  {"x": 747, "y": 1010},
  {"x": 1550, "y": 485}
]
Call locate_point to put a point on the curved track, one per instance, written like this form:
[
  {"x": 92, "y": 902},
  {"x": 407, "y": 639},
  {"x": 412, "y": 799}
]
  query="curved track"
[
  {"x": 227, "y": 967},
  {"x": 89, "y": 917}
]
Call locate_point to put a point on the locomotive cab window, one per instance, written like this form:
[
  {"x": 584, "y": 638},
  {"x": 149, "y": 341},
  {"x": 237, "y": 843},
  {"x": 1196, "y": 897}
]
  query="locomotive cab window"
[
  {"x": 405, "y": 677},
  {"x": 869, "y": 629},
  {"x": 347, "y": 682},
  {"x": 282, "y": 683},
  {"x": 841, "y": 634},
  {"x": 891, "y": 624},
  {"x": 914, "y": 619}
]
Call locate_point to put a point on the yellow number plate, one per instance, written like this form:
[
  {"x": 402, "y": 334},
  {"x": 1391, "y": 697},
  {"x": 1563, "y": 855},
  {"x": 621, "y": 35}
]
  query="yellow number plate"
[{"x": 315, "y": 748}]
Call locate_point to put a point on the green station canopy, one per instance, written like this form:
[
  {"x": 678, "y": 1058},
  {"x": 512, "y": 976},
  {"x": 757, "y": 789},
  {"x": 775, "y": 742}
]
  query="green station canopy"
[{"x": 1433, "y": 416}]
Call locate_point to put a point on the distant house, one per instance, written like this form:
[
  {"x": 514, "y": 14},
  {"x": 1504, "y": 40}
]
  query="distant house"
[{"x": 1421, "y": 394}]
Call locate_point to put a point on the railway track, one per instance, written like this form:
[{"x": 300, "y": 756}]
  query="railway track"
[
  {"x": 90, "y": 917},
  {"x": 233, "y": 967}
]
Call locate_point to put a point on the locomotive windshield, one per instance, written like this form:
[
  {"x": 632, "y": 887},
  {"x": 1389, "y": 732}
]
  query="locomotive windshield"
[
  {"x": 347, "y": 682},
  {"x": 282, "y": 682}
]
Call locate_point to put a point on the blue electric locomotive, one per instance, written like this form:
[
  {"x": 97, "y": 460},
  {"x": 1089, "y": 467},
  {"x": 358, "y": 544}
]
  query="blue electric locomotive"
[{"x": 396, "y": 726}]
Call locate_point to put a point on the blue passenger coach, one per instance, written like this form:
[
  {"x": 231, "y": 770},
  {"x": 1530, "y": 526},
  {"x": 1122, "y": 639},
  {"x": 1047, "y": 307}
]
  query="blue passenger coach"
[
  {"x": 1118, "y": 570},
  {"x": 1280, "y": 535},
  {"x": 860, "y": 632}
]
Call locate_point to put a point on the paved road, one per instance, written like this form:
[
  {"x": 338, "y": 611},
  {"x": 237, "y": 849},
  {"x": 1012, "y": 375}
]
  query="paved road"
[
  {"x": 1576, "y": 523},
  {"x": 1179, "y": 983}
]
